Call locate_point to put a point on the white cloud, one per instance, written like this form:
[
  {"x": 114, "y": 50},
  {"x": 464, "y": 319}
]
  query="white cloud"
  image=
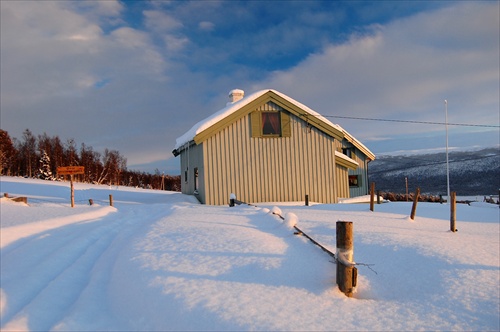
[
  {"x": 130, "y": 38},
  {"x": 404, "y": 70},
  {"x": 94, "y": 9},
  {"x": 62, "y": 74},
  {"x": 175, "y": 44},
  {"x": 78, "y": 70},
  {"x": 161, "y": 22},
  {"x": 206, "y": 26}
]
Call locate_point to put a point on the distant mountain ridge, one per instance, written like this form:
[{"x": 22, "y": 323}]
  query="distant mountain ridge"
[{"x": 471, "y": 172}]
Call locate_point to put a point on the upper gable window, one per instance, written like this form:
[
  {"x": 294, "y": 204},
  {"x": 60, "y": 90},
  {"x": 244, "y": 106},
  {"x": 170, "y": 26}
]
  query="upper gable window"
[{"x": 271, "y": 123}]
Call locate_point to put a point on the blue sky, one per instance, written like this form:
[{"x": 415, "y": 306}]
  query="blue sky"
[{"x": 134, "y": 76}]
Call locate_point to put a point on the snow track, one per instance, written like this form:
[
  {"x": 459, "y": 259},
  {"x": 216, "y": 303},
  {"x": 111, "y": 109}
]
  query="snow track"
[{"x": 54, "y": 268}]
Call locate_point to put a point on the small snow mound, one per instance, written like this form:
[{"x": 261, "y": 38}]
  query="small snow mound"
[
  {"x": 265, "y": 210},
  {"x": 291, "y": 219},
  {"x": 276, "y": 210}
]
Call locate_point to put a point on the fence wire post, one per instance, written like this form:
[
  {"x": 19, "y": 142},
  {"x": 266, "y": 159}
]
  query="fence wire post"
[
  {"x": 372, "y": 194},
  {"x": 414, "y": 206},
  {"x": 347, "y": 274},
  {"x": 453, "y": 211}
]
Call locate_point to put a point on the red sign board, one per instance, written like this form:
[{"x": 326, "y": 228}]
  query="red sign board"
[{"x": 71, "y": 170}]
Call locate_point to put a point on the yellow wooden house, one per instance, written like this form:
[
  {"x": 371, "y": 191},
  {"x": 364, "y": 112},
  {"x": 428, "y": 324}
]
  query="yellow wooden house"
[{"x": 268, "y": 147}]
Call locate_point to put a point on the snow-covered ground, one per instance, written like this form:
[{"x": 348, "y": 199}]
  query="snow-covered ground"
[{"x": 160, "y": 261}]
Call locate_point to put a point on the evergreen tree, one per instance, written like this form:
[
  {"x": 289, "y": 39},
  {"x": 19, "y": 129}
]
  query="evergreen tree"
[{"x": 44, "y": 171}]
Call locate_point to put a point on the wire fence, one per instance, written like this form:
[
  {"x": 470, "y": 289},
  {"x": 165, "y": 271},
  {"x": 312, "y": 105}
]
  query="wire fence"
[{"x": 34, "y": 200}]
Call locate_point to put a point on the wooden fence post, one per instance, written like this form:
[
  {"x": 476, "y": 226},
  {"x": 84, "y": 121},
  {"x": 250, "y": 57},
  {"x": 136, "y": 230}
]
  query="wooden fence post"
[
  {"x": 307, "y": 200},
  {"x": 6, "y": 195},
  {"x": 110, "y": 200},
  {"x": 372, "y": 194},
  {"x": 347, "y": 274},
  {"x": 406, "y": 185},
  {"x": 453, "y": 211},
  {"x": 414, "y": 206},
  {"x": 72, "y": 191},
  {"x": 378, "y": 196}
]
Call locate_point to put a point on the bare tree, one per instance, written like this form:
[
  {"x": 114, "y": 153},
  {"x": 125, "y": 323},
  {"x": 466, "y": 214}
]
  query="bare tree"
[
  {"x": 23, "y": 158},
  {"x": 27, "y": 151},
  {"x": 91, "y": 160},
  {"x": 113, "y": 165},
  {"x": 7, "y": 153}
]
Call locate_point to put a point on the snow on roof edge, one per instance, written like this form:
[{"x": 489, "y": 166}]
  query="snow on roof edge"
[
  {"x": 343, "y": 156},
  {"x": 216, "y": 117},
  {"x": 308, "y": 110},
  {"x": 233, "y": 107}
]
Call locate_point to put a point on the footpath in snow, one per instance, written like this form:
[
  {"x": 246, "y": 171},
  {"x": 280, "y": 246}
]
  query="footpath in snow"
[{"x": 160, "y": 261}]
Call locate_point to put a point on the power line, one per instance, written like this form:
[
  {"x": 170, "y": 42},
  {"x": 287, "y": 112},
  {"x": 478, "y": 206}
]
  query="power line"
[{"x": 411, "y": 121}]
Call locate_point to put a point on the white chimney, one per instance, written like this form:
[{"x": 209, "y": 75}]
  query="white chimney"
[{"x": 235, "y": 95}]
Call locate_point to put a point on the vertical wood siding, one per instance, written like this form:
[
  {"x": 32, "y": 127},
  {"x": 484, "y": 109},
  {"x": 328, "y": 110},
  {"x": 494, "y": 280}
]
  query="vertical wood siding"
[
  {"x": 271, "y": 169},
  {"x": 192, "y": 158},
  {"x": 362, "y": 170},
  {"x": 342, "y": 182}
]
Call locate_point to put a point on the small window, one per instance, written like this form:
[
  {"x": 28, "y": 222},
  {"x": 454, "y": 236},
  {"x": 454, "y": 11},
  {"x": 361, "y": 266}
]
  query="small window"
[
  {"x": 354, "y": 181},
  {"x": 347, "y": 152},
  {"x": 271, "y": 124}
]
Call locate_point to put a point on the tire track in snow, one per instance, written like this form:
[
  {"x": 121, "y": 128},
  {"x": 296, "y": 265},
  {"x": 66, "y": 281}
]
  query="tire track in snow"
[
  {"x": 91, "y": 302},
  {"x": 23, "y": 287},
  {"x": 37, "y": 295},
  {"x": 16, "y": 235}
]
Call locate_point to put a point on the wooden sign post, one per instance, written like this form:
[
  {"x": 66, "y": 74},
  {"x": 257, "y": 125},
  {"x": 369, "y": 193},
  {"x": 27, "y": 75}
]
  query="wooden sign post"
[{"x": 71, "y": 170}]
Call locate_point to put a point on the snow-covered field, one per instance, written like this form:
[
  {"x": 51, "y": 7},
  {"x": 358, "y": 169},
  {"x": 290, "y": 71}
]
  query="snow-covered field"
[{"x": 160, "y": 261}]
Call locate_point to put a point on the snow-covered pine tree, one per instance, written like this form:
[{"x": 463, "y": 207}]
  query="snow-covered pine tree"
[{"x": 44, "y": 171}]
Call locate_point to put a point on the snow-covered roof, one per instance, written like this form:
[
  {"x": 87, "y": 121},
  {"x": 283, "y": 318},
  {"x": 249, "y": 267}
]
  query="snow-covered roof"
[
  {"x": 216, "y": 117},
  {"x": 346, "y": 158},
  {"x": 358, "y": 144},
  {"x": 235, "y": 106}
]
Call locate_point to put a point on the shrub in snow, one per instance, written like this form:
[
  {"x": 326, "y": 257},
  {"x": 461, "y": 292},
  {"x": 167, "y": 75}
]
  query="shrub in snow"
[
  {"x": 291, "y": 220},
  {"x": 276, "y": 210}
]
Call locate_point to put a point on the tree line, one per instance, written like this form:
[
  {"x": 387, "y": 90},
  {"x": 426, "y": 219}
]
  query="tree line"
[{"x": 39, "y": 156}]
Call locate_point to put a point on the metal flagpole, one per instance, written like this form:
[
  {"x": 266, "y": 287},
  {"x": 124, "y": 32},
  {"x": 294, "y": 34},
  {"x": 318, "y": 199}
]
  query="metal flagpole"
[{"x": 447, "y": 164}]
